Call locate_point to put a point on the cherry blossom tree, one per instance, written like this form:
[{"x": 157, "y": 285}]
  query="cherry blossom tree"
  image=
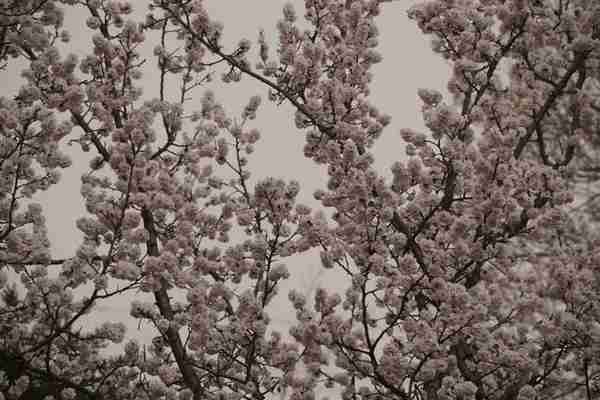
[{"x": 472, "y": 274}]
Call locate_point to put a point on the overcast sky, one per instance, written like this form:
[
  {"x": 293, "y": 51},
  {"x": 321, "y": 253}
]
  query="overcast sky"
[{"x": 408, "y": 64}]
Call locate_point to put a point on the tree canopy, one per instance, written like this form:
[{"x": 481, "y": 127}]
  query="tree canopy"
[{"x": 471, "y": 274}]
